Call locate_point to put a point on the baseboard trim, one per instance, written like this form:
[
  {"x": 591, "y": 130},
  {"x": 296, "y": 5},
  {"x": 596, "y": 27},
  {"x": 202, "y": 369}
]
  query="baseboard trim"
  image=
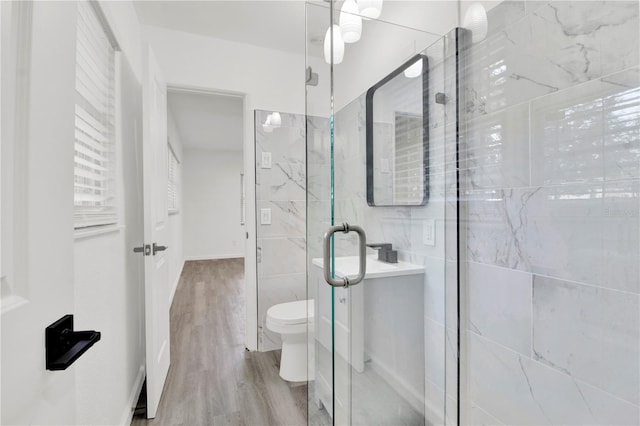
[
  {"x": 127, "y": 416},
  {"x": 176, "y": 282},
  {"x": 215, "y": 257},
  {"x": 415, "y": 398}
]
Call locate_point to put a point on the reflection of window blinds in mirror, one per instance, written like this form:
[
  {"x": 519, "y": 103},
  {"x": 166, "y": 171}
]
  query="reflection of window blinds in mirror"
[{"x": 408, "y": 161}]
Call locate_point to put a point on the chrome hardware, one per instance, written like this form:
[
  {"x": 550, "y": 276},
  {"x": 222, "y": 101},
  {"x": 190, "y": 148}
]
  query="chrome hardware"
[
  {"x": 145, "y": 249},
  {"x": 385, "y": 252},
  {"x": 157, "y": 248},
  {"x": 326, "y": 251}
]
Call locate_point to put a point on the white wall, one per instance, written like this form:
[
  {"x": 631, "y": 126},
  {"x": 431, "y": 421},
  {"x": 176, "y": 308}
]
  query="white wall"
[
  {"x": 108, "y": 278},
  {"x": 175, "y": 228},
  {"x": 269, "y": 79},
  {"x": 212, "y": 227}
]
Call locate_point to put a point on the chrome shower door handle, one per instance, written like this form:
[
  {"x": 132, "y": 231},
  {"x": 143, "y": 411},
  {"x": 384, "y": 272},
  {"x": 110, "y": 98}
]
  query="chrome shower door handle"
[{"x": 326, "y": 254}]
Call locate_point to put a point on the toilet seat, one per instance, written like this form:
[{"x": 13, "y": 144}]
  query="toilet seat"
[{"x": 291, "y": 313}]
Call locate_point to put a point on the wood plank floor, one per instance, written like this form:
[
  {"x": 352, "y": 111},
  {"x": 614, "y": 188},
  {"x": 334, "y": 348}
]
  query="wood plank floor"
[{"x": 212, "y": 379}]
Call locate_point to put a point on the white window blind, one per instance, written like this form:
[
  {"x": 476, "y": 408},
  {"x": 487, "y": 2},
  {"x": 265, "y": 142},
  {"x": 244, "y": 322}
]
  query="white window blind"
[
  {"x": 94, "y": 187},
  {"x": 173, "y": 181}
]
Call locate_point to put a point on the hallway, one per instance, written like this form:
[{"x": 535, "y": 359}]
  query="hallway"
[{"x": 212, "y": 379}]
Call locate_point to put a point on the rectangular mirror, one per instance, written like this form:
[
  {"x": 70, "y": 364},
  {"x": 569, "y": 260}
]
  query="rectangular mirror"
[{"x": 398, "y": 137}]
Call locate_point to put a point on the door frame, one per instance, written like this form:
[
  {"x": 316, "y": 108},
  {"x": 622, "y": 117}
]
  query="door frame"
[{"x": 250, "y": 257}]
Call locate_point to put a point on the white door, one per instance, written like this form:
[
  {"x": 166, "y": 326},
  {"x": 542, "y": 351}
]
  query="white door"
[
  {"x": 38, "y": 97},
  {"x": 156, "y": 286}
]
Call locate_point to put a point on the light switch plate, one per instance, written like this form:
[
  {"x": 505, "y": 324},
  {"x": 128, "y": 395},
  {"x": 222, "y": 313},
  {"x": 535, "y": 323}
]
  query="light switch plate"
[
  {"x": 429, "y": 232},
  {"x": 265, "y": 216},
  {"x": 266, "y": 160}
]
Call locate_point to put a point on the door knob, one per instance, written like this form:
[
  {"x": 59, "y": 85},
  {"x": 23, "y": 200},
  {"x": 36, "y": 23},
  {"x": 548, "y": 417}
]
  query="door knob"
[
  {"x": 157, "y": 248},
  {"x": 145, "y": 249}
]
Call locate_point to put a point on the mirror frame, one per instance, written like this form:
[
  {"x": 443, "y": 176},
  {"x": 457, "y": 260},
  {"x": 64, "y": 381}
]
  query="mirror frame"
[{"x": 425, "y": 130}]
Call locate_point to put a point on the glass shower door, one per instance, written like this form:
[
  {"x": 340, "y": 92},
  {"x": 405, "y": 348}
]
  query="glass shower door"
[{"x": 377, "y": 352}]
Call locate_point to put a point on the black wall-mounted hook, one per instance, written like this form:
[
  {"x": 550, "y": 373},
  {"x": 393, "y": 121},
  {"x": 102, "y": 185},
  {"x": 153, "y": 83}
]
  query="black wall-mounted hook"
[{"x": 63, "y": 345}]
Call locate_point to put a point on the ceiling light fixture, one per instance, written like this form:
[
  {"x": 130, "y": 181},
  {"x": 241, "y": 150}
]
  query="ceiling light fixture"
[
  {"x": 475, "y": 20},
  {"x": 350, "y": 22},
  {"x": 276, "y": 120},
  {"x": 414, "y": 70},
  {"x": 338, "y": 45},
  {"x": 370, "y": 9},
  {"x": 267, "y": 125}
]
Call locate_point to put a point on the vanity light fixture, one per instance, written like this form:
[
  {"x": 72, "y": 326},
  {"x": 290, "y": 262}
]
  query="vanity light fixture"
[
  {"x": 350, "y": 22},
  {"x": 338, "y": 46},
  {"x": 475, "y": 20},
  {"x": 370, "y": 9}
]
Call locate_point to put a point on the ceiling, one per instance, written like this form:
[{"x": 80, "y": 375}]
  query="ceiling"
[
  {"x": 271, "y": 24},
  {"x": 281, "y": 25},
  {"x": 207, "y": 121}
]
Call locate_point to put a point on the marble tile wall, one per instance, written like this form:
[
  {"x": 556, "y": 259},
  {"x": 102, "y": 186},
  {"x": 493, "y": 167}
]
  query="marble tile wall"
[
  {"x": 552, "y": 200},
  {"x": 281, "y": 245}
]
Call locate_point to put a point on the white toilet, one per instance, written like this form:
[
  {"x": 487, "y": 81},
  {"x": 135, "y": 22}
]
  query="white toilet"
[{"x": 294, "y": 322}]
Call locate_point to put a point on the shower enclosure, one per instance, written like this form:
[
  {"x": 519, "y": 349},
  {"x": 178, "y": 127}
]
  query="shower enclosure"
[
  {"x": 516, "y": 295},
  {"x": 378, "y": 351}
]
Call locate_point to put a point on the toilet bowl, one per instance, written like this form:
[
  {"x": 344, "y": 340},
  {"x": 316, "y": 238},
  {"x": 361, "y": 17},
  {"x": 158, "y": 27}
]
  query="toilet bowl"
[{"x": 294, "y": 322}]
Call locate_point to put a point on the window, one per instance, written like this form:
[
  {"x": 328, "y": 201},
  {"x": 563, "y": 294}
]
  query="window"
[
  {"x": 173, "y": 181},
  {"x": 94, "y": 183}
]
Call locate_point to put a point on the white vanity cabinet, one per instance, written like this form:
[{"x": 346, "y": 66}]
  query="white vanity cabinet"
[{"x": 350, "y": 315}]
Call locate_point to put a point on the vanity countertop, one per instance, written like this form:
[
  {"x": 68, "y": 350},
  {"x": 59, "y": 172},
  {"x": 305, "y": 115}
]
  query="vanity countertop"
[{"x": 348, "y": 265}]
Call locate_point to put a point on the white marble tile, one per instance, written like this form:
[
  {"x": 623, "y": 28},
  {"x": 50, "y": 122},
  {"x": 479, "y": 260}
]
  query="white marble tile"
[
  {"x": 505, "y": 14},
  {"x": 499, "y": 303},
  {"x": 621, "y": 236},
  {"x": 589, "y": 39},
  {"x": 388, "y": 225},
  {"x": 589, "y": 132},
  {"x": 498, "y": 149},
  {"x": 287, "y": 219},
  {"x": 435, "y": 353},
  {"x": 559, "y": 45},
  {"x": 478, "y": 416},
  {"x": 318, "y": 142},
  {"x": 590, "y": 333},
  {"x": 520, "y": 391},
  {"x": 434, "y": 404},
  {"x": 434, "y": 294},
  {"x": 286, "y": 180},
  {"x": 451, "y": 292},
  {"x": 280, "y": 256},
  {"x": 590, "y": 227},
  {"x": 451, "y": 415},
  {"x": 497, "y": 227}
]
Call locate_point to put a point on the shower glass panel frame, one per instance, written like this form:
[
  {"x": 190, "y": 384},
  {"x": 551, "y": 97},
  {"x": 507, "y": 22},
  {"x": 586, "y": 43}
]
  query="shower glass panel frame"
[{"x": 383, "y": 351}]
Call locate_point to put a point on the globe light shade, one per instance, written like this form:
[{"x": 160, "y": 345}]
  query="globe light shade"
[
  {"x": 338, "y": 46},
  {"x": 370, "y": 9},
  {"x": 276, "y": 121},
  {"x": 475, "y": 20},
  {"x": 350, "y": 22},
  {"x": 414, "y": 70},
  {"x": 267, "y": 125}
]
